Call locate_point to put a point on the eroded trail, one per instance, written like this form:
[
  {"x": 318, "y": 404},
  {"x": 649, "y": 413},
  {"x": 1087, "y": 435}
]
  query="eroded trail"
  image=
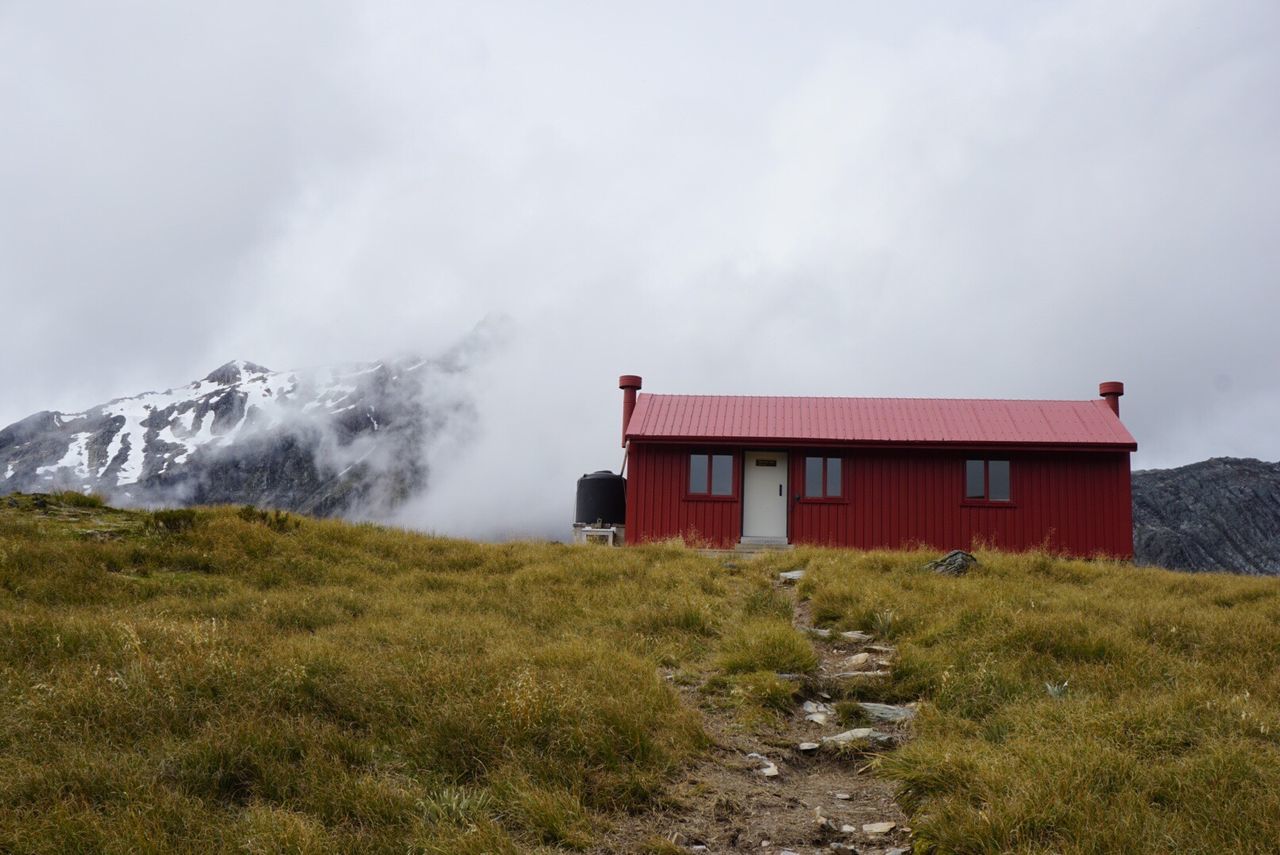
[{"x": 803, "y": 785}]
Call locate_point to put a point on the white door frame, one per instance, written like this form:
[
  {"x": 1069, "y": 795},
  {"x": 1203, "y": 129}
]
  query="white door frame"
[{"x": 765, "y": 517}]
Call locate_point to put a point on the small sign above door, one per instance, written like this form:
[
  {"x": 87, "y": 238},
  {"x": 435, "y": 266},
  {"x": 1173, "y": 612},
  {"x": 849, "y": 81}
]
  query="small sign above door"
[{"x": 764, "y": 497}]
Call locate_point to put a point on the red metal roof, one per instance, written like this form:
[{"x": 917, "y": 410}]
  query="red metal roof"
[{"x": 879, "y": 421}]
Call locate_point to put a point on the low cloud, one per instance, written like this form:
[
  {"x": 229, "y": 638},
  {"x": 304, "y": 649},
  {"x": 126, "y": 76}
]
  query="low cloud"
[{"x": 944, "y": 201}]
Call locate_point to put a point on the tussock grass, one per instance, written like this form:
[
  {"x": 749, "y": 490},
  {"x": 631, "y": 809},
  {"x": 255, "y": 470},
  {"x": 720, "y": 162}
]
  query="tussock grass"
[
  {"x": 767, "y": 644},
  {"x": 220, "y": 680},
  {"x": 80, "y": 500},
  {"x": 230, "y": 682},
  {"x": 1074, "y": 706}
]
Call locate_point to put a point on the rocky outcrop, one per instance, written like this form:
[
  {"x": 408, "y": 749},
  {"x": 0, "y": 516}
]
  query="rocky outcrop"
[
  {"x": 1219, "y": 514},
  {"x": 955, "y": 563}
]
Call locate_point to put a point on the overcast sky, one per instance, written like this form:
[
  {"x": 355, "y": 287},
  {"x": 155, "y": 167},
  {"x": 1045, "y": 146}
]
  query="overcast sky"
[{"x": 973, "y": 199}]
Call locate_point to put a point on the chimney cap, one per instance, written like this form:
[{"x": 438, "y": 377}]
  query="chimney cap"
[
  {"x": 1111, "y": 387},
  {"x": 629, "y": 381}
]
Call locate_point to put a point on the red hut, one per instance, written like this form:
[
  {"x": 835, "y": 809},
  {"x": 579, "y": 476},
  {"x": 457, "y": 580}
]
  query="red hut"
[{"x": 879, "y": 472}]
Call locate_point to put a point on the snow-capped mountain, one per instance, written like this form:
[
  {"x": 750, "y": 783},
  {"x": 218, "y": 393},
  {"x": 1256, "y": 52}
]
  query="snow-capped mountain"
[{"x": 321, "y": 441}]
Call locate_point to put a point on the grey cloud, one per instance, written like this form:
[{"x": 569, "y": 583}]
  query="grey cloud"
[{"x": 831, "y": 198}]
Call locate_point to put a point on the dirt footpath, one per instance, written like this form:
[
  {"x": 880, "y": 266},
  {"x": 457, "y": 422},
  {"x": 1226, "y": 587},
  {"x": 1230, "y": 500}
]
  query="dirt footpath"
[{"x": 766, "y": 793}]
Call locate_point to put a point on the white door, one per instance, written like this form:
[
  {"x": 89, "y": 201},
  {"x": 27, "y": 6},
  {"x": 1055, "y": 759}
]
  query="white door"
[{"x": 764, "y": 496}]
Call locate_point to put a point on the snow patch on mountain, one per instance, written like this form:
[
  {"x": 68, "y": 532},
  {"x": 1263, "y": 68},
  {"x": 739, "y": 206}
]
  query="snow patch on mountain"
[
  {"x": 76, "y": 458},
  {"x": 317, "y": 440}
]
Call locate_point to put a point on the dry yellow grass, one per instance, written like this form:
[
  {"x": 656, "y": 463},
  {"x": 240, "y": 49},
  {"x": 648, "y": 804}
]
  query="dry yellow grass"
[
  {"x": 1074, "y": 706},
  {"x": 239, "y": 684},
  {"x": 235, "y": 682}
]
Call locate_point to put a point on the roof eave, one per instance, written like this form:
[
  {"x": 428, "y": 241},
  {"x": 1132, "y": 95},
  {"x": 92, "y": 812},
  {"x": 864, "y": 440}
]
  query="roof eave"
[{"x": 863, "y": 443}]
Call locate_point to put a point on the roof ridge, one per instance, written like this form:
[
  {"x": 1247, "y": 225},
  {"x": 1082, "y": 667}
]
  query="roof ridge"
[
  {"x": 832, "y": 418},
  {"x": 874, "y": 398}
]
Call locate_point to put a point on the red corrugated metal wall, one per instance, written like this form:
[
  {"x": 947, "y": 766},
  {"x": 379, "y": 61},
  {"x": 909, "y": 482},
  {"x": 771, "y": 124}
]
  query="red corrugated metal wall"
[
  {"x": 1078, "y": 503},
  {"x": 657, "y": 507}
]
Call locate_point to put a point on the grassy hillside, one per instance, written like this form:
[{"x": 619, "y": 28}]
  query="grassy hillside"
[
  {"x": 228, "y": 680},
  {"x": 1075, "y": 706}
]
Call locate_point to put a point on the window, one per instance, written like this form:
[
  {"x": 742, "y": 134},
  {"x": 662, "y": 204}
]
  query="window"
[
  {"x": 998, "y": 480},
  {"x": 711, "y": 474},
  {"x": 822, "y": 477},
  {"x": 986, "y": 480}
]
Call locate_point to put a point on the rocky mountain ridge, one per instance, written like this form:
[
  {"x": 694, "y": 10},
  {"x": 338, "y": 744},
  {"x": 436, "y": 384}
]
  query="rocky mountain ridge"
[
  {"x": 340, "y": 440},
  {"x": 1218, "y": 514}
]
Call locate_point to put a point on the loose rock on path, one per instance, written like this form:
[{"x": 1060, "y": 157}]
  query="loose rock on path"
[{"x": 804, "y": 787}]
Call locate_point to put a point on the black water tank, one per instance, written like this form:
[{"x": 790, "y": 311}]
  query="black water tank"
[{"x": 602, "y": 496}]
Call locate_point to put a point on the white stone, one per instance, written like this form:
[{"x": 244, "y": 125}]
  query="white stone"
[
  {"x": 850, "y": 735},
  {"x": 858, "y": 662},
  {"x": 879, "y": 827},
  {"x": 808, "y": 746},
  {"x": 888, "y": 712},
  {"x": 768, "y": 769},
  {"x": 791, "y": 575}
]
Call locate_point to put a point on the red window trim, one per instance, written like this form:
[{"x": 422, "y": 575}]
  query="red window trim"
[
  {"x": 984, "y": 502},
  {"x": 824, "y": 499},
  {"x": 731, "y": 496}
]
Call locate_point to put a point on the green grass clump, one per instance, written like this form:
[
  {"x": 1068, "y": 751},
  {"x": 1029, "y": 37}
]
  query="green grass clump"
[
  {"x": 277, "y": 520},
  {"x": 766, "y": 691},
  {"x": 1073, "y": 706},
  {"x": 73, "y": 499},
  {"x": 767, "y": 644},
  {"x": 172, "y": 520}
]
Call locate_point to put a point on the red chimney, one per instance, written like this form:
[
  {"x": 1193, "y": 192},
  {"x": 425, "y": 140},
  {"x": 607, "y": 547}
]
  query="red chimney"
[
  {"x": 629, "y": 384},
  {"x": 1111, "y": 391}
]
